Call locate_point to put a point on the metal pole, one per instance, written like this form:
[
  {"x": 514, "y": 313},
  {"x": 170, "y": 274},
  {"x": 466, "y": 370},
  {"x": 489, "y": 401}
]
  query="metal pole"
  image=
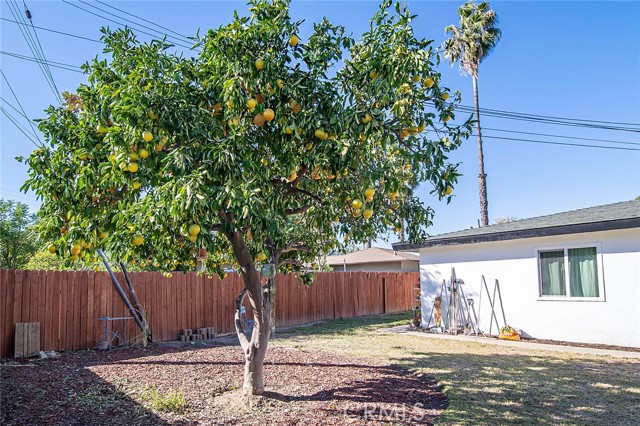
[
  {"x": 504, "y": 318},
  {"x": 119, "y": 288}
]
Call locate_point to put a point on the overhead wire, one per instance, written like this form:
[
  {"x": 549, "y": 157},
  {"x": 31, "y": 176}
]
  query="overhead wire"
[
  {"x": 30, "y": 41},
  {"x": 54, "y": 64},
  {"x": 19, "y": 126},
  {"x": 120, "y": 23},
  {"x": 30, "y": 17},
  {"x": 185, "y": 38},
  {"x": 24, "y": 113},
  {"x": 563, "y": 122},
  {"x": 54, "y": 31},
  {"x": 561, "y": 143},
  {"x": 561, "y": 136}
]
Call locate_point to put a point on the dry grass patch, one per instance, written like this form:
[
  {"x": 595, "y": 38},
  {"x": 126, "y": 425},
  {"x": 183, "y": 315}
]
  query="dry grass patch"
[{"x": 488, "y": 384}]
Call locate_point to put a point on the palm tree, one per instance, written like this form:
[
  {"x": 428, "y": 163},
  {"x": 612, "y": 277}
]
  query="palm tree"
[{"x": 470, "y": 44}]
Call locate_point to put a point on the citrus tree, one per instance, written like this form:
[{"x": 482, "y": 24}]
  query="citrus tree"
[{"x": 262, "y": 149}]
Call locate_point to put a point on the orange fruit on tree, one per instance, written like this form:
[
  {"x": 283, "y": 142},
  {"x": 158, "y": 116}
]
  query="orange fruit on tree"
[
  {"x": 356, "y": 203},
  {"x": 251, "y": 103},
  {"x": 428, "y": 81},
  {"x": 101, "y": 129},
  {"x": 132, "y": 167},
  {"x": 194, "y": 229},
  {"x": 258, "y": 120},
  {"x": 445, "y": 96},
  {"x": 137, "y": 240},
  {"x": 369, "y": 192},
  {"x": 448, "y": 190},
  {"x": 268, "y": 114},
  {"x": 259, "y": 64},
  {"x": 52, "y": 249},
  {"x": 367, "y": 213},
  {"x": 147, "y": 136},
  {"x": 293, "y": 40}
]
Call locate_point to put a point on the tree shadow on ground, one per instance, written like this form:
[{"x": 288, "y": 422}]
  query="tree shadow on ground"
[
  {"x": 66, "y": 397},
  {"x": 86, "y": 388},
  {"x": 540, "y": 389}
]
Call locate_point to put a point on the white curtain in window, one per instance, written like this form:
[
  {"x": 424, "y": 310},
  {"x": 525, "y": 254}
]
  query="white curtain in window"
[
  {"x": 583, "y": 272},
  {"x": 553, "y": 273}
]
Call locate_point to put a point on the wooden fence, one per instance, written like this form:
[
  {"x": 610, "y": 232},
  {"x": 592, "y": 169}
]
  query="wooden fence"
[{"x": 66, "y": 304}]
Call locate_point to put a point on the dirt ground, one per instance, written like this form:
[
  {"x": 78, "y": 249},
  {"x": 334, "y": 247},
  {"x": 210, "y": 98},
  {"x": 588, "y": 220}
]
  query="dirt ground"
[{"x": 303, "y": 388}]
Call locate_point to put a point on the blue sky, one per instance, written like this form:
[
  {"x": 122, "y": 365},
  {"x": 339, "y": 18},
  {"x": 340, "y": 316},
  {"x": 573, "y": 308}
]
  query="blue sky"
[{"x": 566, "y": 59}]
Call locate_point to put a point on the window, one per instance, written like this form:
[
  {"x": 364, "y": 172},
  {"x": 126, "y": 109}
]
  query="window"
[{"x": 570, "y": 272}]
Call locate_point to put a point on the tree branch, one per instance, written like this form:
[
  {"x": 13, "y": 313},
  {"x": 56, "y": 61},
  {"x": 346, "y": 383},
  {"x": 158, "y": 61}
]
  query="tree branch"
[
  {"x": 294, "y": 190},
  {"x": 240, "y": 331},
  {"x": 295, "y": 247},
  {"x": 290, "y": 262},
  {"x": 289, "y": 212}
]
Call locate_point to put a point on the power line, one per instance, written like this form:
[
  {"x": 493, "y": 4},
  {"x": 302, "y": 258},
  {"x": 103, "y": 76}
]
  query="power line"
[
  {"x": 562, "y": 143},
  {"x": 28, "y": 13},
  {"x": 557, "y": 118},
  {"x": 119, "y": 23},
  {"x": 145, "y": 20},
  {"x": 18, "y": 111},
  {"x": 524, "y": 117},
  {"x": 30, "y": 42},
  {"x": 18, "y": 125},
  {"x": 60, "y": 65},
  {"x": 561, "y": 136},
  {"x": 126, "y": 19},
  {"x": 24, "y": 113},
  {"x": 54, "y": 31}
]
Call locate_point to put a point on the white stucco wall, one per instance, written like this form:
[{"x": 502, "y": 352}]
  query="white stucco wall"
[{"x": 614, "y": 321}]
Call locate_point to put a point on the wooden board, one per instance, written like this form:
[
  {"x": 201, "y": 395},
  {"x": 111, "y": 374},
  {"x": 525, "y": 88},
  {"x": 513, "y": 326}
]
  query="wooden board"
[{"x": 27, "y": 340}]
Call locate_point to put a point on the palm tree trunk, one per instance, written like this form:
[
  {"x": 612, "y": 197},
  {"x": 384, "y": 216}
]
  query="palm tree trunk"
[{"x": 482, "y": 176}]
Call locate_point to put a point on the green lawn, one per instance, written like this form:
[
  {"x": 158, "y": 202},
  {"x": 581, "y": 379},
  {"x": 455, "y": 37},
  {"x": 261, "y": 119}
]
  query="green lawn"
[{"x": 488, "y": 384}]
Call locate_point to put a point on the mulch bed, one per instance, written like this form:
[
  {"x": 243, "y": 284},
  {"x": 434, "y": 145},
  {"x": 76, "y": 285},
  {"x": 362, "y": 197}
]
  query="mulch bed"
[{"x": 302, "y": 388}]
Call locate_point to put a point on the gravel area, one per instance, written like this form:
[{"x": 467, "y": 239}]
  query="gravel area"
[{"x": 303, "y": 388}]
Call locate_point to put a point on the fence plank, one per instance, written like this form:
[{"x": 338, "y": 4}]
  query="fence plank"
[
  {"x": 68, "y": 303},
  {"x": 8, "y": 282}
]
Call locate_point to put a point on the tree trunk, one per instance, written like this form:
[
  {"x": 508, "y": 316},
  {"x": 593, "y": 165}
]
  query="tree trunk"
[
  {"x": 254, "y": 347},
  {"x": 482, "y": 176}
]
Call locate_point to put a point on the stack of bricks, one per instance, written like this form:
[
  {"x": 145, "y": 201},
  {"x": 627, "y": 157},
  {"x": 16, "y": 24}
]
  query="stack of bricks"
[{"x": 201, "y": 334}]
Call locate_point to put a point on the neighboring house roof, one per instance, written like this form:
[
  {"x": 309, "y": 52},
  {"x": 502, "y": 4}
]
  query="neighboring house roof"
[
  {"x": 371, "y": 255},
  {"x": 621, "y": 215}
]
